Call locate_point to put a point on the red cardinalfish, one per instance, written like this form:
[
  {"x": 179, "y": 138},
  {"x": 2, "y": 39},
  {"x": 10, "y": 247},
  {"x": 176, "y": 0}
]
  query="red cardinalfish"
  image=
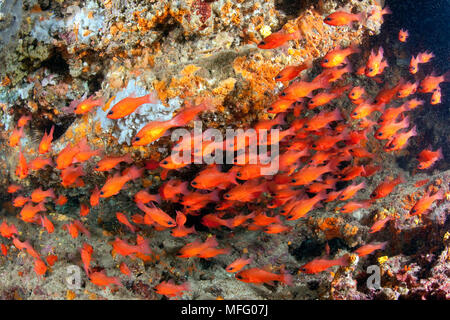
[
  {"x": 259, "y": 276},
  {"x": 13, "y": 188},
  {"x": 370, "y": 248},
  {"x": 86, "y": 256},
  {"x": 87, "y": 105},
  {"x": 46, "y": 142},
  {"x": 291, "y": 72},
  {"x": 157, "y": 215},
  {"x": 125, "y": 249},
  {"x": 23, "y": 120},
  {"x": 436, "y": 97},
  {"x": 308, "y": 174},
  {"x": 128, "y": 105},
  {"x": 365, "y": 109},
  {"x": 351, "y": 206},
  {"x": 180, "y": 230},
  {"x": 28, "y": 212},
  {"x": 302, "y": 207},
  {"x": 238, "y": 264},
  {"x": 414, "y": 65},
  {"x": 350, "y": 191},
  {"x": 338, "y": 56},
  {"x": 386, "y": 187},
  {"x": 327, "y": 142},
  {"x": 424, "y": 203},
  {"x": 85, "y": 152},
  {"x": 375, "y": 64},
  {"x": 66, "y": 156},
  {"x": 20, "y": 201},
  {"x": 343, "y": 18},
  {"x": 281, "y": 105},
  {"x": 39, "y": 163},
  {"x": 380, "y": 224},
  {"x": 246, "y": 192},
  {"x": 356, "y": 93},
  {"x": 7, "y": 231},
  {"x": 392, "y": 114},
  {"x": 123, "y": 220},
  {"x": 403, "y": 35},
  {"x": 170, "y": 289},
  {"x": 114, "y": 184},
  {"x": 70, "y": 175},
  {"x": 406, "y": 89},
  {"x": 15, "y": 137},
  {"x": 428, "y": 157},
  {"x": 145, "y": 197},
  {"x": 39, "y": 195},
  {"x": 108, "y": 163},
  {"x": 321, "y": 264},
  {"x": 277, "y": 39},
  {"x": 100, "y": 278},
  {"x": 400, "y": 140},
  {"x": 322, "y": 120},
  {"x": 431, "y": 83},
  {"x": 301, "y": 89},
  {"x": 212, "y": 177},
  {"x": 22, "y": 167},
  {"x": 325, "y": 97},
  {"x": 391, "y": 128},
  {"x": 47, "y": 224},
  {"x": 171, "y": 190},
  {"x": 94, "y": 199},
  {"x": 193, "y": 249}
]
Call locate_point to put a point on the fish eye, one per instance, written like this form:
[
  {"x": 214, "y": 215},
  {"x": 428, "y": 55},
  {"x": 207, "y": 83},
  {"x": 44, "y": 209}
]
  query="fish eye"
[
  {"x": 413, "y": 210},
  {"x": 314, "y": 145},
  {"x": 305, "y": 125},
  {"x": 97, "y": 166},
  {"x": 262, "y": 43},
  {"x": 294, "y": 180},
  {"x": 230, "y": 268},
  {"x": 270, "y": 109},
  {"x": 227, "y": 195},
  {"x": 101, "y": 192},
  {"x": 283, "y": 94},
  {"x": 355, "y": 113},
  {"x": 420, "y": 87},
  {"x": 111, "y": 112},
  {"x": 239, "y": 276},
  {"x": 188, "y": 207},
  {"x": 352, "y": 94},
  {"x": 165, "y": 162},
  {"x": 170, "y": 223},
  {"x": 289, "y": 216},
  {"x": 380, "y": 134},
  {"x": 303, "y": 269},
  {"x": 325, "y": 60},
  {"x": 328, "y": 19},
  {"x": 278, "y": 77},
  {"x": 194, "y": 183},
  {"x": 371, "y": 70},
  {"x": 137, "y": 139},
  {"x": 311, "y": 101}
]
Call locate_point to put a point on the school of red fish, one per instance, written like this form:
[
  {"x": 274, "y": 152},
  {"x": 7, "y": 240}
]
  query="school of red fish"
[{"x": 316, "y": 152}]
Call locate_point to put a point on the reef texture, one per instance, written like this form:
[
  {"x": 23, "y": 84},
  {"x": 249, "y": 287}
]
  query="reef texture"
[{"x": 62, "y": 52}]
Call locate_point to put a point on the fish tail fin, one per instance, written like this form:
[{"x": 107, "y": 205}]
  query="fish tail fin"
[
  {"x": 286, "y": 278},
  {"x": 143, "y": 245},
  {"x": 344, "y": 260},
  {"x": 133, "y": 172}
]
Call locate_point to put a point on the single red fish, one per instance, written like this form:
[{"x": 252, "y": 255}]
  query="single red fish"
[{"x": 277, "y": 39}]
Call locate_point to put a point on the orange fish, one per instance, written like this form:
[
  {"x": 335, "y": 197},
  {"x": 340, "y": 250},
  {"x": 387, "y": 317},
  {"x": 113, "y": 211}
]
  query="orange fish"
[
  {"x": 386, "y": 187},
  {"x": 86, "y": 105},
  {"x": 365, "y": 109},
  {"x": 375, "y": 65},
  {"x": 180, "y": 230},
  {"x": 320, "y": 264},
  {"x": 237, "y": 265},
  {"x": 276, "y": 228},
  {"x": 20, "y": 201},
  {"x": 22, "y": 122},
  {"x": 70, "y": 175},
  {"x": 108, "y": 163},
  {"x": 212, "y": 252},
  {"x": 170, "y": 289},
  {"x": 308, "y": 174},
  {"x": 145, "y": 197},
  {"x": 291, "y": 72},
  {"x": 400, "y": 140},
  {"x": 212, "y": 177},
  {"x": 390, "y": 128},
  {"x": 47, "y": 224},
  {"x": 322, "y": 119},
  {"x": 84, "y": 210},
  {"x": 4, "y": 250},
  {"x": 39, "y": 267},
  {"x": 302, "y": 207},
  {"x": 128, "y": 105},
  {"x": 403, "y": 35},
  {"x": 414, "y": 65},
  {"x": 125, "y": 249},
  {"x": 39, "y": 195},
  {"x": 392, "y": 114},
  {"x": 387, "y": 94},
  {"x": 323, "y": 98},
  {"x": 352, "y": 172},
  {"x": 123, "y": 219},
  {"x": 13, "y": 188},
  {"x": 428, "y": 157},
  {"x": 259, "y": 276},
  {"x": 327, "y": 142},
  {"x": 351, "y": 206},
  {"x": 277, "y": 39},
  {"x": 246, "y": 192},
  {"x": 171, "y": 190},
  {"x": 85, "y": 152},
  {"x": 94, "y": 199},
  {"x": 46, "y": 142},
  {"x": 101, "y": 279},
  {"x": 28, "y": 212},
  {"x": 300, "y": 89},
  {"x": 356, "y": 93},
  {"x": 436, "y": 97},
  {"x": 51, "y": 259},
  {"x": 407, "y": 89},
  {"x": 114, "y": 184},
  {"x": 350, "y": 191},
  {"x": 425, "y": 57},
  {"x": 343, "y": 18},
  {"x": 124, "y": 269},
  {"x": 86, "y": 255},
  {"x": 62, "y": 200},
  {"x": 7, "y": 231},
  {"x": 369, "y": 248},
  {"x": 39, "y": 163},
  {"x": 15, "y": 137},
  {"x": 425, "y": 202},
  {"x": 66, "y": 156},
  {"x": 156, "y": 214},
  {"x": 338, "y": 56},
  {"x": 431, "y": 83},
  {"x": 379, "y": 224},
  {"x": 193, "y": 249}
]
